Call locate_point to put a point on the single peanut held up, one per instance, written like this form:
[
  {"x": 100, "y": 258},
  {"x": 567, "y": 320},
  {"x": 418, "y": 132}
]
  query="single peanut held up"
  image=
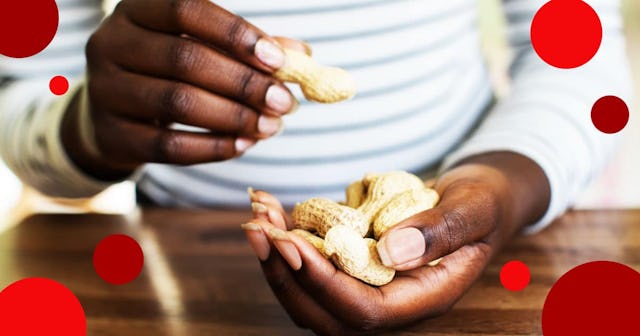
[
  {"x": 318, "y": 83},
  {"x": 321, "y": 214}
]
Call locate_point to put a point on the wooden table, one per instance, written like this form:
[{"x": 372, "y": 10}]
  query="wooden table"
[{"x": 201, "y": 278}]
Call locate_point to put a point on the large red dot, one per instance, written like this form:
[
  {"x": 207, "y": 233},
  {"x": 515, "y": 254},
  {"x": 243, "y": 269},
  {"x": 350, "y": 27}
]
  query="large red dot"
[
  {"x": 566, "y": 33},
  {"x": 58, "y": 85},
  {"x": 37, "y": 306},
  {"x": 27, "y": 26},
  {"x": 596, "y": 298},
  {"x": 118, "y": 259},
  {"x": 610, "y": 114},
  {"x": 515, "y": 275}
]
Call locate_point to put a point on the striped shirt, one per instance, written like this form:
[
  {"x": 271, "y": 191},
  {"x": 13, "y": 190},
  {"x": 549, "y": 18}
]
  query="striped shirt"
[{"x": 423, "y": 88}]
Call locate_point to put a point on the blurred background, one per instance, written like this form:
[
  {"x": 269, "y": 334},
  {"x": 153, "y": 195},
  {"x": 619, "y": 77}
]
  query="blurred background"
[{"x": 618, "y": 187}]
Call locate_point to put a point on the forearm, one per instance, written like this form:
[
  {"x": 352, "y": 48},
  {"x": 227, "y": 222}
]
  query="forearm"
[{"x": 30, "y": 121}]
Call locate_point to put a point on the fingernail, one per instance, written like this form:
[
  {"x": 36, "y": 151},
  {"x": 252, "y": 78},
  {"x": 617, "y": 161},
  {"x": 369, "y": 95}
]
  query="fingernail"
[
  {"x": 401, "y": 246},
  {"x": 277, "y": 234},
  {"x": 269, "y": 125},
  {"x": 269, "y": 54},
  {"x": 242, "y": 144},
  {"x": 257, "y": 240},
  {"x": 275, "y": 217},
  {"x": 307, "y": 48},
  {"x": 251, "y": 227},
  {"x": 252, "y": 193},
  {"x": 279, "y": 99},
  {"x": 296, "y": 106},
  {"x": 280, "y": 131},
  {"x": 286, "y": 248},
  {"x": 259, "y": 208}
]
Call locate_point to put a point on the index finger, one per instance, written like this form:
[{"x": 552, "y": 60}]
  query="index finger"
[{"x": 211, "y": 24}]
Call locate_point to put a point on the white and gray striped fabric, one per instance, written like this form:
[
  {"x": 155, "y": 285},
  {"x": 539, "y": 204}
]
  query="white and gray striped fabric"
[{"x": 423, "y": 87}]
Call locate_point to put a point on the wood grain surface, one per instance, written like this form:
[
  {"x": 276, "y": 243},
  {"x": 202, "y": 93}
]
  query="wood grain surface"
[{"x": 201, "y": 277}]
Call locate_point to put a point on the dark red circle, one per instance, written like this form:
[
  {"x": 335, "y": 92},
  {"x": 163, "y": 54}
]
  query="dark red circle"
[
  {"x": 610, "y": 114},
  {"x": 566, "y": 33},
  {"x": 37, "y": 306},
  {"x": 58, "y": 85},
  {"x": 118, "y": 259},
  {"x": 596, "y": 298},
  {"x": 27, "y": 26},
  {"x": 515, "y": 275}
]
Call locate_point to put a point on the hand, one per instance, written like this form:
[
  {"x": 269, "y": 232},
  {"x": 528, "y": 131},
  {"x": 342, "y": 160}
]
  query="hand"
[
  {"x": 154, "y": 63},
  {"x": 484, "y": 200}
]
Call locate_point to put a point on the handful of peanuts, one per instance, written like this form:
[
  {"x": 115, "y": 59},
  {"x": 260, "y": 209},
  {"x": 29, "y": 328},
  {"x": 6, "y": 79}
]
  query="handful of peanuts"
[{"x": 347, "y": 234}]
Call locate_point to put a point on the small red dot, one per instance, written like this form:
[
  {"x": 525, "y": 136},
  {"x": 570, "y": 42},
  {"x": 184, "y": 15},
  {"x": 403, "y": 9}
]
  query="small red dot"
[
  {"x": 596, "y": 298},
  {"x": 37, "y": 306},
  {"x": 566, "y": 34},
  {"x": 27, "y": 26},
  {"x": 515, "y": 275},
  {"x": 59, "y": 85},
  {"x": 118, "y": 259},
  {"x": 610, "y": 114}
]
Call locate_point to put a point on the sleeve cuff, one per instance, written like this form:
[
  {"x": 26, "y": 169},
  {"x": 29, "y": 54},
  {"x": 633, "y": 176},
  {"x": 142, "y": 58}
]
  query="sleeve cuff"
[{"x": 77, "y": 184}]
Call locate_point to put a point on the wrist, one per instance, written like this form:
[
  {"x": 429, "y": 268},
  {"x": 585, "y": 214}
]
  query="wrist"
[
  {"x": 85, "y": 156},
  {"x": 519, "y": 182}
]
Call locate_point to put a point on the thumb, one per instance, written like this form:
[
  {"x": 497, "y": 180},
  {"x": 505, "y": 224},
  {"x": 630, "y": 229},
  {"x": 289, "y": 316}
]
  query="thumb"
[{"x": 466, "y": 214}]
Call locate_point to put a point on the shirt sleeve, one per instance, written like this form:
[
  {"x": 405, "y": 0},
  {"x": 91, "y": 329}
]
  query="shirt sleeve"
[
  {"x": 30, "y": 115},
  {"x": 547, "y": 114}
]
